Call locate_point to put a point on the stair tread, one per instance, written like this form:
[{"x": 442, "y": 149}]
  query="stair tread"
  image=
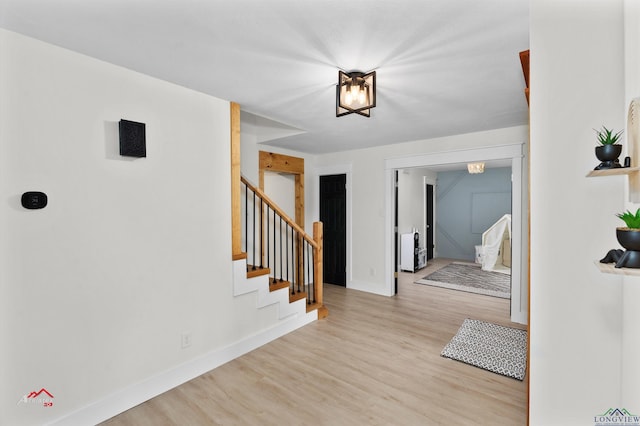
[
  {"x": 256, "y": 271},
  {"x": 297, "y": 296},
  {"x": 277, "y": 285}
]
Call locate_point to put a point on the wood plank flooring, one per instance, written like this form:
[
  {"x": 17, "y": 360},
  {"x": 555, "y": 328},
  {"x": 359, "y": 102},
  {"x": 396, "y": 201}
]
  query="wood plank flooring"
[{"x": 374, "y": 361}]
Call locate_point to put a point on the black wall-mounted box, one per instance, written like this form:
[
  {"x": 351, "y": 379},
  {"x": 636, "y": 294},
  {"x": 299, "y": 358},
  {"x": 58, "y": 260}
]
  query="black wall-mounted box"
[{"x": 132, "y": 139}]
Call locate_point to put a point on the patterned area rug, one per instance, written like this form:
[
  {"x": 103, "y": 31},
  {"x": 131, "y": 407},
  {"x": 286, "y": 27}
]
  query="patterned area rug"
[
  {"x": 492, "y": 347},
  {"x": 471, "y": 278}
]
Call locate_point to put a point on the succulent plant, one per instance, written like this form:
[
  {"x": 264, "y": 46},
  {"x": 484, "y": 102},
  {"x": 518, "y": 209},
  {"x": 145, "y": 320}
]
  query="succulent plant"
[
  {"x": 631, "y": 220},
  {"x": 607, "y": 137}
]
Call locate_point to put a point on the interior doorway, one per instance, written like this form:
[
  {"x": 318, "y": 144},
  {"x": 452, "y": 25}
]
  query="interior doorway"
[
  {"x": 333, "y": 215},
  {"x": 511, "y": 153}
]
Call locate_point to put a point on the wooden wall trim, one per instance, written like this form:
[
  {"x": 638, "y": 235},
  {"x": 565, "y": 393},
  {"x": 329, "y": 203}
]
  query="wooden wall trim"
[
  {"x": 281, "y": 163},
  {"x": 236, "y": 225}
]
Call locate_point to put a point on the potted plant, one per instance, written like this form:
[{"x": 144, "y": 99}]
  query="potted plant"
[
  {"x": 629, "y": 238},
  {"x": 608, "y": 149}
]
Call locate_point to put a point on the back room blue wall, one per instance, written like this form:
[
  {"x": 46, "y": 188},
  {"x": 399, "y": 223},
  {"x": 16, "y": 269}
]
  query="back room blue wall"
[{"x": 466, "y": 205}]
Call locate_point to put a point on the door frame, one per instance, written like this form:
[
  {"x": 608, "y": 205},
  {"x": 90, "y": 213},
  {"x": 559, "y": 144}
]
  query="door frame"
[
  {"x": 514, "y": 152},
  {"x": 281, "y": 163},
  {"x": 339, "y": 169}
]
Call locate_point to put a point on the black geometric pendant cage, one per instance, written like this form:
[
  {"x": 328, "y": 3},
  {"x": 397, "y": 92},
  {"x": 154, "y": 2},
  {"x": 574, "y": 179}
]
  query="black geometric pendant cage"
[{"x": 355, "y": 93}]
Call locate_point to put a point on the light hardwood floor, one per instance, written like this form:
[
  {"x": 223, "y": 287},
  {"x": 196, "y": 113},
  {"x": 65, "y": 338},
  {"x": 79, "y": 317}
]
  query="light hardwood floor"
[{"x": 374, "y": 361}]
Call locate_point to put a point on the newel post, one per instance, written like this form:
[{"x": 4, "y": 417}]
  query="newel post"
[{"x": 317, "y": 267}]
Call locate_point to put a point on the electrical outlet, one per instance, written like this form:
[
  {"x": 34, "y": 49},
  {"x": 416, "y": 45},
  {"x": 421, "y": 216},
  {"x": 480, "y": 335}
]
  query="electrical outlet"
[{"x": 186, "y": 340}]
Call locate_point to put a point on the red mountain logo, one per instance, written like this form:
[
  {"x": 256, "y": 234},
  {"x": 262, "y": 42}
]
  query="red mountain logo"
[
  {"x": 41, "y": 391},
  {"x": 42, "y": 396}
]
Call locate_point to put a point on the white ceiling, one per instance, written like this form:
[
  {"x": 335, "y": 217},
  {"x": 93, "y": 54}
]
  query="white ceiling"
[{"x": 444, "y": 67}]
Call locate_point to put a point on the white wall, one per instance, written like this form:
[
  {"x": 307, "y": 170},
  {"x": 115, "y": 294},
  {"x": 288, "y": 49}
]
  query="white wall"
[
  {"x": 368, "y": 192},
  {"x": 577, "y": 84},
  {"x": 631, "y": 286},
  {"x": 97, "y": 288},
  {"x": 281, "y": 188},
  {"x": 411, "y": 201}
]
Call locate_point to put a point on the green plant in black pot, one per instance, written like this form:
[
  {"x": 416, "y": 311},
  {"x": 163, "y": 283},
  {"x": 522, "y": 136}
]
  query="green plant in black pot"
[
  {"x": 631, "y": 220},
  {"x": 608, "y": 149},
  {"x": 629, "y": 238},
  {"x": 607, "y": 137}
]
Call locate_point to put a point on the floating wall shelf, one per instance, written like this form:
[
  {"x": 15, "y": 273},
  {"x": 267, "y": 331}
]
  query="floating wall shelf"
[
  {"x": 614, "y": 172},
  {"x": 609, "y": 268}
]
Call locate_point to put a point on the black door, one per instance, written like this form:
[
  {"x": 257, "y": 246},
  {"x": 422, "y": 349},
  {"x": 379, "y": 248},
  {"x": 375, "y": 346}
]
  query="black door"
[
  {"x": 429, "y": 240},
  {"x": 333, "y": 215}
]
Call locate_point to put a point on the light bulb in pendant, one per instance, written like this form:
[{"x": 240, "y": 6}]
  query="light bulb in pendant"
[
  {"x": 348, "y": 97},
  {"x": 362, "y": 95}
]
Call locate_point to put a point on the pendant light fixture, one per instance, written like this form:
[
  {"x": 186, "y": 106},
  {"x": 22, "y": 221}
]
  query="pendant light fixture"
[
  {"x": 355, "y": 92},
  {"x": 475, "y": 168}
]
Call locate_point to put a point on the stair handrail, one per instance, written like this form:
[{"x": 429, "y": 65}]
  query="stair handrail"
[{"x": 280, "y": 212}]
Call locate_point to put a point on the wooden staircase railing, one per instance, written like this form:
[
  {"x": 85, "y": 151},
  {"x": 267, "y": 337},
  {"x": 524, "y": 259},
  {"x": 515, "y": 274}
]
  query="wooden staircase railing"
[{"x": 272, "y": 243}]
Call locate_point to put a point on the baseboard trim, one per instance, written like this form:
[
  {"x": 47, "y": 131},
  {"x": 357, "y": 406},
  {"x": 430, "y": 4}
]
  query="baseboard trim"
[
  {"x": 368, "y": 288},
  {"x": 138, "y": 393}
]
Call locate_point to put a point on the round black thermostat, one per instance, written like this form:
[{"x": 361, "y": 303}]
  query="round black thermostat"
[{"x": 33, "y": 200}]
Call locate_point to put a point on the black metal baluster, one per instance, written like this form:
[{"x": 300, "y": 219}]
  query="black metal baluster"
[
  {"x": 293, "y": 261},
  {"x": 261, "y": 233},
  {"x": 246, "y": 220},
  {"x": 274, "y": 247},
  {"x": 302, "y": 250},
  {"x": 280, "y": 248},
  {"x": 286, "y": 252},
  {"x": 290, "y": 262},
  {"x": 309, "y": 278},
  {"x": 254, "y": 231},
  {"x": 267, "y": 233},
  {"x": 309, "y": 289}
]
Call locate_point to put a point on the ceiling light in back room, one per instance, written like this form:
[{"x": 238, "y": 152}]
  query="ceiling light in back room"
[{"x": 475, "y": 168}]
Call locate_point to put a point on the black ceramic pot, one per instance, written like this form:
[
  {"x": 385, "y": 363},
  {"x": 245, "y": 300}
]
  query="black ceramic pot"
[
  {"x": 630, "y": 240},
  {"x": 608, "y": 154}
]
